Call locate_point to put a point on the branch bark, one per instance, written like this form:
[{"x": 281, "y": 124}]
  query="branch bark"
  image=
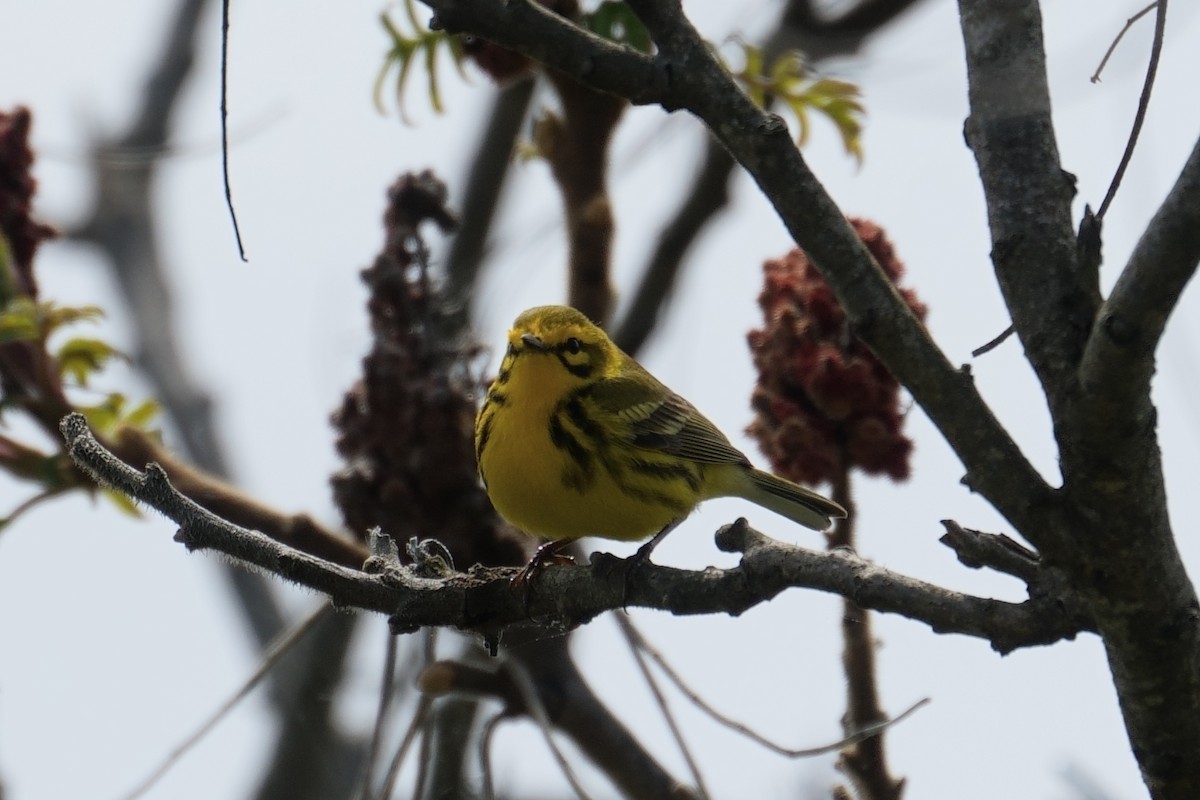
[
  {"x": 483, "y": 601},
  {"x": 1028, "y": 194},
  {"x": 1118, "y": 549},
  {"x": 1119, "y": 359}
]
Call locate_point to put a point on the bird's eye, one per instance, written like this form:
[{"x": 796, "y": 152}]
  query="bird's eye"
[{"x": 574, "y": 345}]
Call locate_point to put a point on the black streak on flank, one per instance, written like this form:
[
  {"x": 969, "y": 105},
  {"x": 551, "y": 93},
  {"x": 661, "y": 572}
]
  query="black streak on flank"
[
  {"x": 680, "y": 507},
  {"x": 485, "y": 433},
  {"x": 561, "y": 438},
  {"x": 587, "y": 426},
  {"x": 664, "y": 471}
]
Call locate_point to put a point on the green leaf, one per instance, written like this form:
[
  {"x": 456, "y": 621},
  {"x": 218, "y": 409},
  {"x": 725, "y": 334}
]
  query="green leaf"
[
  {"x": 141, "y": 415},
  {"x": 615, "y": 21},
  {"x": 787, "y": 79},
  {"x": 56, "y": 316},
  {"x": 103, "y": 416},
  {"x": 25, "y": 320},
  {"x": 404, "y": 51},
  {"x": 122, "y": 502},
  {"x": 113, "y": 412},
  {"x": 80, "y": 358},
  {"x": 20, "y": 322}
]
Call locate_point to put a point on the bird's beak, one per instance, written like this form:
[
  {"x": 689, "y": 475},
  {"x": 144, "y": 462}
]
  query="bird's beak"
[{"x": 533, "y": 342}]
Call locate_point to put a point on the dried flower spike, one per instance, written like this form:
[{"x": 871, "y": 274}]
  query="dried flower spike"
[{"x": 824, "y": 403}]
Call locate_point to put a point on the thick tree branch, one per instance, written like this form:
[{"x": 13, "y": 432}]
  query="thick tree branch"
[
  {"x": 1127, "y": 562},
  {"x": 485, "y": 178},
  {"x": 708, "y": 194},
  {"x": 1120, "y": 551},
  {"x": 800, "y": 27},
  {"x": 1119, "y": 360},
  {"x": 296, "y": 530},
  {"x": 686, "y": 74},
  {"x": 483, "y": 601},
  {"x": 1052, "y": 300}
]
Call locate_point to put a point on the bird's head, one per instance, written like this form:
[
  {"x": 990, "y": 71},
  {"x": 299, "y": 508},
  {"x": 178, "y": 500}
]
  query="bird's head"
[{"x": 562, "y": 346}]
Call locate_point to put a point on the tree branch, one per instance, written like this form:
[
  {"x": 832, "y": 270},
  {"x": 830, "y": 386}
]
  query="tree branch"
[
  {"x": 800, "y": 27},
  {"x": 1160, "y": 26},
  {"x": 1126, "y": 560},
  {"x": 708, "y": 194},
  {"x": 485, "y": 179},
  {"x": 1119, "y": 360},
  {"x": 483, "y": 601},
  {"x": 685, "y": 74},
  {"x": 1051, "y": 299}
]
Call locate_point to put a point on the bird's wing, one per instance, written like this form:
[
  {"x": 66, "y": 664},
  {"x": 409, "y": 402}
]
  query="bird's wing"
[{"x": 658, "y": 419}]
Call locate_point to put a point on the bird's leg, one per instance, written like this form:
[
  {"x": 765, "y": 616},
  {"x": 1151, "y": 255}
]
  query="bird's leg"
[
  {"x": 547, "y": 553},
  {"x": 642, "y": 556}
]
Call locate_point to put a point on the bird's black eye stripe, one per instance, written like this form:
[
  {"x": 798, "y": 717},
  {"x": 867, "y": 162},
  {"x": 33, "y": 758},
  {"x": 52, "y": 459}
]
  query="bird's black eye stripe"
[{"x": 575, "y": 356}]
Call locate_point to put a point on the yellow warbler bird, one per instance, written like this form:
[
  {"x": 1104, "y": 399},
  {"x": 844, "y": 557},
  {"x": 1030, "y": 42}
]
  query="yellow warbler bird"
[{"x": 575, "y": 438}]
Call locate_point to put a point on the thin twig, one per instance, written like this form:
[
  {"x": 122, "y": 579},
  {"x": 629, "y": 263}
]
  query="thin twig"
[
  {"x": 864, "y": 763},
  {"x": 628, "y": 630},
  {"x": 856, "y": 737},
  {"x": 537, "y": 711},
  {"x": 485, "y": 754},
  {"x": 1160, "y": 23},
  {"x": 994, "y": 343},
  {"x": 429, "y": 651},
  {"x": 414, "y": 729},
  {"x": 1112, "y": 48},
  {"x": 237, "y": 234},
  {"x": 274, "y": 651},
  {"x": 386, "y": 693}
]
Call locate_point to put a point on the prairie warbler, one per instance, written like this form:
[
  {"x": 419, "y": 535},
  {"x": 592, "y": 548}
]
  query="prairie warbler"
[{"x": 575, "y": 438}]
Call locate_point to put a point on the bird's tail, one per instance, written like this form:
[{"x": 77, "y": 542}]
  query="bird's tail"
[{"x": 789, "y": 500}]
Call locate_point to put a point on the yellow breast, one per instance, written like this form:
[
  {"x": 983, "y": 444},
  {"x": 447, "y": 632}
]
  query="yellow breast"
[{"x": 548, "y": 476}]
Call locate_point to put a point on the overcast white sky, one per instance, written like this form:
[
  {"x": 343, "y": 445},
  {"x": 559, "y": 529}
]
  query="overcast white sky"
[{"x": 116, "y": 642}]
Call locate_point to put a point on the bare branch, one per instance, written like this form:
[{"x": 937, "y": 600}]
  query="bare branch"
[
  {"x": 1028, "y": 194},
  {"x": 298, "y": 530},
  {"x": 1112, "y": 48},
  {"x": 483, "y": 600},
  {"x": 415, "y": 726},
  {"x": 686, "y": 74},
  {"x": 640, "y": 647},
  {"x": 1119, "y": 360},
  {"x": 800, "y": 27},
  {"x": 864, "y": 762},
  {"x": 640, "y": 644},
  {"x": 570, "y": 706},
  {"x": 537, "y": 710},
  {"x": 708, "y": 194},
  {"x": 485, "y": 178},
  {"x": 1160, "y": 25},
  {"x": 271, "y": 656},
  {"x": 237, "y": 233},
  {"x": 991, "y": 345},
  {"x": 386, "y": 693},
  {"x": 976, "y": 549}
]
